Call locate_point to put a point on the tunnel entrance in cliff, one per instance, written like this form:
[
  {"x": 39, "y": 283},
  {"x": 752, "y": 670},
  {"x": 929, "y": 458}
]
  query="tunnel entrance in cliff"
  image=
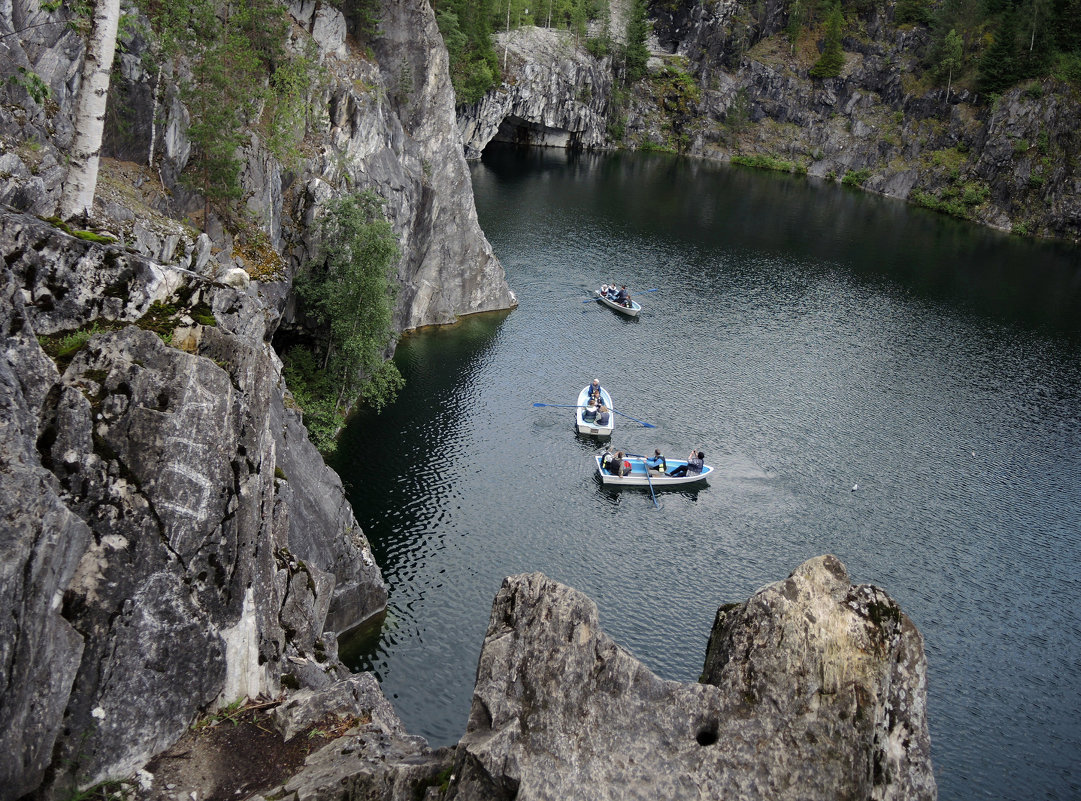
[{"x": 517, "y": 131}]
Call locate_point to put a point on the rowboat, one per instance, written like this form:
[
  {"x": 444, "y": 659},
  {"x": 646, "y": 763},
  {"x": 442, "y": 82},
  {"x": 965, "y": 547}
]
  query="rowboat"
[
  {"x": 584, "y": 426},
  {"x": 630, "y": 311},
  {"x": 637, "y": 477}
]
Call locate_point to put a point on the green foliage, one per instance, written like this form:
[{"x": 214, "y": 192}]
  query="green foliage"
[
  {"x": 833, "y": 57},
  {"x": 999, "y": 68},
  {"x": 951, "y": 57},
  {"x": 738, "y": 114},
  {"x": 32, "y": 83},
  {"x": 348, "y": 292},
  {"x": 637, "y": 53},
  {"x": 288, "y": 111},
  {"x": 89, "y": 236},
  {"x": 474, "y": 67},
  {"x": 914, "y": 12},
  {"x": 766, "y": 162},
  {"x": 1067, "y": 67},
  {"x": 856, "y": 178},
  {"x": 239, "y": 67},
  {"x": 62, "y": 347}
]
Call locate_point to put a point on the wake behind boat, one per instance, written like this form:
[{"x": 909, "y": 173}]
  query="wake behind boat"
[
  {"x": 638, "y": 478},
  {"x": 585, "y": 426},
  {"x": 630, "y": 311}
]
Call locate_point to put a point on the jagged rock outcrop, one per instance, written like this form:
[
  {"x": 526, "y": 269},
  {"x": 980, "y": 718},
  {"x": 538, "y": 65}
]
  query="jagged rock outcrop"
[
  {"x": 376, "y": 760},
  {"x": 813, "y": 689},
  {"x": 558, "y": 96},
  {"x": 154, "y": 565}
]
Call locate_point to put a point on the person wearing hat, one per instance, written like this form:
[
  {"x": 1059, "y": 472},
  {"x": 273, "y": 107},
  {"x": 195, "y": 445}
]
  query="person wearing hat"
[{"x": 595, "y": 391}]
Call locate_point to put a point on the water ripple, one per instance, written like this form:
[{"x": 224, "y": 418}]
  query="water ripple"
[{"x": 854, "y": 387}]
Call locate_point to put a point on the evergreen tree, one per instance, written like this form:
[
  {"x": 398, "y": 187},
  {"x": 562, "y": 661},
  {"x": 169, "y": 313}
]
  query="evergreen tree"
[
  {"x": 831, "y": 62},
  {"x": 1067, "y": 25},
  {"x": 637, "y": 54},
  {"x": 999, "y": 64}
]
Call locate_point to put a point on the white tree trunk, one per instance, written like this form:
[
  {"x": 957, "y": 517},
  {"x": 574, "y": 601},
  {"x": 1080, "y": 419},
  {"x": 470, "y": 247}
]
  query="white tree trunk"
[{"x": 78, "y": 195}]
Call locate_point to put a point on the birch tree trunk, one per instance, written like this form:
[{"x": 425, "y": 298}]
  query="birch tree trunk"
[{"x": 78, "y": 194}]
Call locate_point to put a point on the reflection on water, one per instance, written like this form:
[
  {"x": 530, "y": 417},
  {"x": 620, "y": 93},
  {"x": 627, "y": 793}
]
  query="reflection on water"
[{"x": 809, "y": 339}]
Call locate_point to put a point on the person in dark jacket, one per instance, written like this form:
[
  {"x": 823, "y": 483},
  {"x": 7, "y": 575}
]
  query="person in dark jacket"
[
  {"x": 695, "y": 463},
  {"x": 602, "y": 415}
]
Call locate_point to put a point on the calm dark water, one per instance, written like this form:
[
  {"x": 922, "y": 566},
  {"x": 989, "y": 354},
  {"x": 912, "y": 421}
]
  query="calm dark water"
[{"x": 809, "y": 339}]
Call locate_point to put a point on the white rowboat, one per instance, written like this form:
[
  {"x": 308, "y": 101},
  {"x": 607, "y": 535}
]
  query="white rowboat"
[
  {"x": 584, "y": 426},
  {"x": 637, "y": 476},
  {"x": 630, "y": 311}
]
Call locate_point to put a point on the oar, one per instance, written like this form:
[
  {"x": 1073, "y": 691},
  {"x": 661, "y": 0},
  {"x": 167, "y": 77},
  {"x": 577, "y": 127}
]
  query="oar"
[
  {"x": 592, "y": 300},
  {"x": 565, "y": 406},
  {"x": 650, "y": 480},
  {"x": 643, "y": 422}
]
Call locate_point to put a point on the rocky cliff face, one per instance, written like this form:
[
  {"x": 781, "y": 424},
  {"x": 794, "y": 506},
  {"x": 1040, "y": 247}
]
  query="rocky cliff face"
[
  {"x": 173, "y": 541},
  {"x": 158, "y": 560},
  {"x": 814, "y": 688},
  {"x": 727, "y": 84},
  {"x": 1010, "y": 164},
  {"x": 557, "y": 96}
]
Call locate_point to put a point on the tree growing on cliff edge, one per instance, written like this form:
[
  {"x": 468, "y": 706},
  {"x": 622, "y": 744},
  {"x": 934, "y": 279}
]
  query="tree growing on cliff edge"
[
  {"x": 637, "y": 53},
  {"x": 952, "y": 58},
  {"x": 348, "y": 292},
  {"x": 77, "y": 196},
  {"x": 831, "y": 62}
]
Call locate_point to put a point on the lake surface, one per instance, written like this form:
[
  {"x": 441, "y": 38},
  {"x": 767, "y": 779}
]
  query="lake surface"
[{"x": 811, "y": 340}]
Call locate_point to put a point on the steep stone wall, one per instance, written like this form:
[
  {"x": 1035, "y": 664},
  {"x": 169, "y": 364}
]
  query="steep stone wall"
[
  {"x": 557, "y": 96},
  {"x": 157, "y": 565},
  {"x": 175, "y": 540},
  {"x": 1010, "y": 164}
]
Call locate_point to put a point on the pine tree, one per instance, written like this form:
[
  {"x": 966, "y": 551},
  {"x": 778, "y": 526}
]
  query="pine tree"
[
  {"x": 637, "y": 54},
  {"x": 831, "y": 62},
  {"x": 998, "y": 66}
]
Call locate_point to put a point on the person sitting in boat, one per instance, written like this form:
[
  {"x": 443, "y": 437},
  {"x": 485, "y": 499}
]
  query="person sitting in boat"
[
  {"x": 695, "y": 463},
  {"x": 594, "y": 393},
  {"x": 590, "y": 412},
  {"x": 621, "y": 467},
  {"x": 611, "y": 292},
  {"x": 604, "y": 290},
  {"x": 612, "y": 462},
  {"x": 623, "y": 297},
  {"x": 657, "y": 462},
  {"x": 602, "y": 414}
]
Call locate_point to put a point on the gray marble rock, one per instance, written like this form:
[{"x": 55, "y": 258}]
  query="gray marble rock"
[
  {"x": 154, "y": 570},
  {"x": 813, "y": 689},
  {"x": 556, "y": 96}
]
